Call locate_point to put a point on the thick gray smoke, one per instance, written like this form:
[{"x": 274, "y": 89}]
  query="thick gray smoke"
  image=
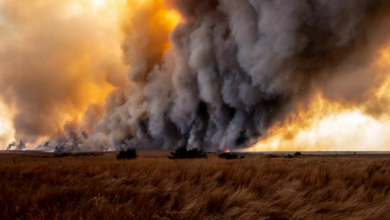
[{"x": 236, "y": 67}]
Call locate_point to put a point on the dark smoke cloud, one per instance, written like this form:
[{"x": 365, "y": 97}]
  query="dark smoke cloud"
[{"x": 235, "y": 68}]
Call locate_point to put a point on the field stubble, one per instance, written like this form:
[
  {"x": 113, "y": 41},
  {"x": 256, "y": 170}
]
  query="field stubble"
[{"x": 308, "y": 187}]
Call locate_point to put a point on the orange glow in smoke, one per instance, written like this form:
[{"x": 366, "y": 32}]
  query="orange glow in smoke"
[
  {"x": 87, "y": 66},
  {"x": 84, "y": 57},
  {"x": 331, "y": 126}
]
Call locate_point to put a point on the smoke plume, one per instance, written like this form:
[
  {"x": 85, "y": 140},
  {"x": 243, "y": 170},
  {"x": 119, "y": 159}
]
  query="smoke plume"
[
  {"x": 52, "y": 64},
  {"x": 219, "y": 79}
]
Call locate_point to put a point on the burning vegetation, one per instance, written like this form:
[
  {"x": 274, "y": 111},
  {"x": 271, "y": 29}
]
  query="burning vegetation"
[
  {"x": 205, "y": 75},
  {"x": 153, "y": 73}
]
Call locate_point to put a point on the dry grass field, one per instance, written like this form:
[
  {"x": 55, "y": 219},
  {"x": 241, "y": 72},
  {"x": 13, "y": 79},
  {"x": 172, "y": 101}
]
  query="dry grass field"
[{"x": 154, "y": 187}]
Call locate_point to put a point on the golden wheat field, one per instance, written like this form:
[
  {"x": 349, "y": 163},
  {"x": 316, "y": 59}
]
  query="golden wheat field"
[{"x": 154, "y": 187}]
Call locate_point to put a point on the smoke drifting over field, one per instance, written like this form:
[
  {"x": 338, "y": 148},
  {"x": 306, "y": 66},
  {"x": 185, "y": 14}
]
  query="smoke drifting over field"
[{"x": 214, "y": 74}]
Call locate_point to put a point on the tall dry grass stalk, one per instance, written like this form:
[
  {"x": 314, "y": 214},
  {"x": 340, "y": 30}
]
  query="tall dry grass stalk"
[{"x": 158, "y": 188}]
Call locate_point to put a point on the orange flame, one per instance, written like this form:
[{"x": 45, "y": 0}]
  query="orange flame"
[{"x": 332, "y": 126}]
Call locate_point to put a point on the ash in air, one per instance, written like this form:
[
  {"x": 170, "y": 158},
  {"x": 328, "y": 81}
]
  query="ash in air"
[{"x": 233, "y": 69}]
